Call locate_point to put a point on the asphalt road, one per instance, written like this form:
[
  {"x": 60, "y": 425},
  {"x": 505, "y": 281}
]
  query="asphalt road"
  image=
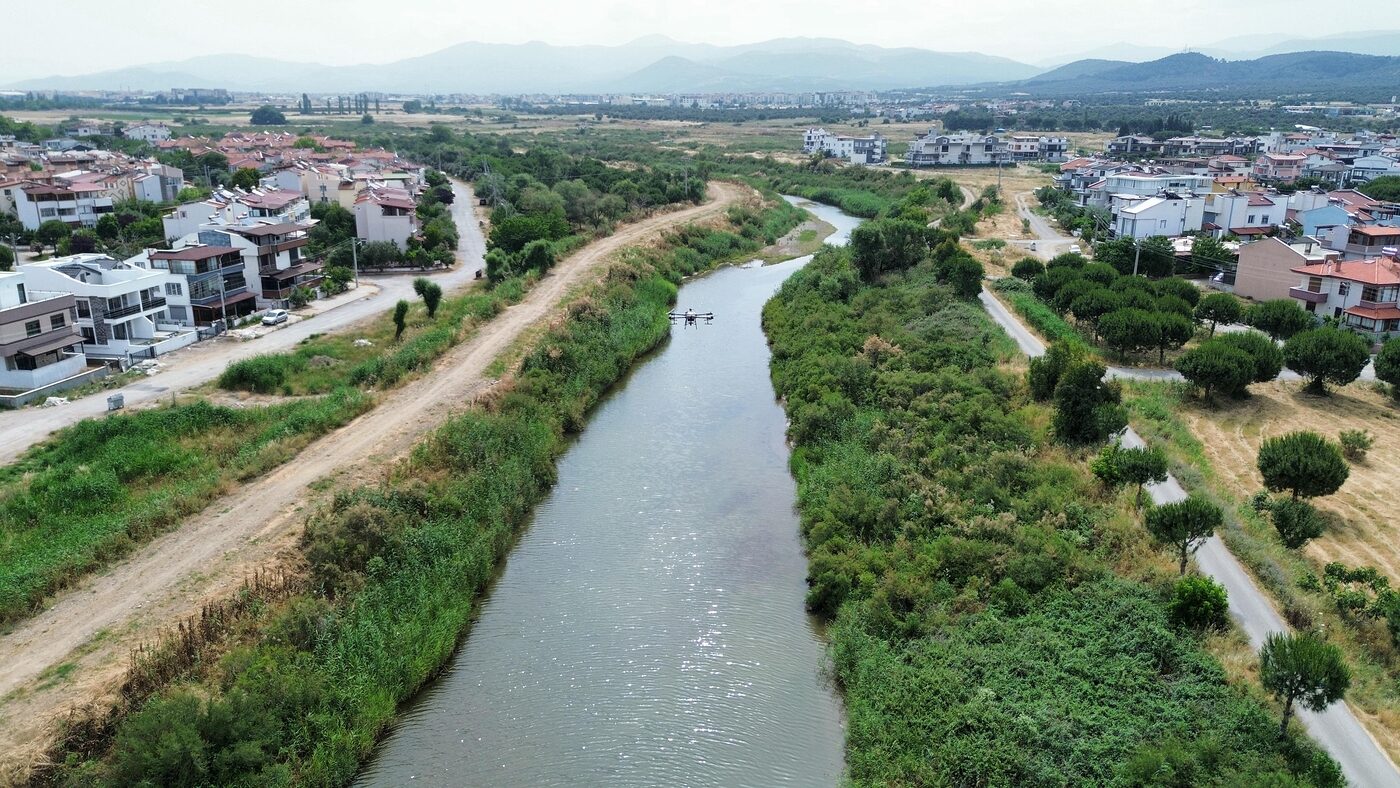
[
  {"x": 1336, "y": 728},
  {"x": 203, "y": 361}
]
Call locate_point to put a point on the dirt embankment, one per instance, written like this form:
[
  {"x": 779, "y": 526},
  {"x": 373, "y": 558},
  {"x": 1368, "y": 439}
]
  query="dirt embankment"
[{"x": 75, "y": 652}]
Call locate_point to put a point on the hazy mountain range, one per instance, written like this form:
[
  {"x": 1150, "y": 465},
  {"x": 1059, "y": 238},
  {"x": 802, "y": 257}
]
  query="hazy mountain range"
[{"x": 656, "y": 64}]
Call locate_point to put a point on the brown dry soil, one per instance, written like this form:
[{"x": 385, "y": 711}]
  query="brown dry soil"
[{"x": 75, "y": 651}]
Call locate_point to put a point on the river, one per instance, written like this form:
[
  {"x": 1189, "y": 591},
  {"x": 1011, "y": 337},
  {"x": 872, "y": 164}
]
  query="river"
[{"x": 649, "y": 628}]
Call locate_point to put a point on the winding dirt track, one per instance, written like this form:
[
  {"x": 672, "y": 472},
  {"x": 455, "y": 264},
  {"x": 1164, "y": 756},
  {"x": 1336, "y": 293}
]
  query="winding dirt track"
[{"x": 94, "y": 626}]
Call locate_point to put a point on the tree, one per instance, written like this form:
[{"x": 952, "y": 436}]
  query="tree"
[
  {"x": 1198, "y": 602},
  {"x": 1209, "y": 255},
  {"x": 1280, "y": 318},
  {"x": 1304, "y": 464},
  {"x": 366, "y": 119},
  {"x": 1046, "y": 370},
  {"x": 1266, "y": 356},
  {"x": 1218, "y": 308},
  {"x": 1173, "y": 331},
  {"x": 1116, "y": 466},
  {"x": 1385, "y": 188},
  {"x": 82, "y": 241},
  {"x": 1071, "y": 260},
  {"x": 1092, "y": 306},
  {"x": 400, "y": 318},
  {"x": 1179, "y": 288},
  {"x": 267, "y": 115},
  {"x": 108, "y": 228},
  {"x": 963, "y": 275},
  {"x": 51, "y": 232},
  {"x": 7, "y": 258},
  {"x": 1213, "y": 367},
  {"x": 245, "y": 178},
  {"x": 1302, "y": 668},
  {"x": 430, "y": 292},
  {"x": 1184, "y": 525},
  {"x": 1087, "y": 409},
  {"x": 1388, "y": 365},
  {"x": 1326, "y": 355},
  {"x": 1129, "y": 330},
  {"x": 1027, "y": 268},
  {"x": 888, "y": 245},
  {"x": 1296, "y": 522}
]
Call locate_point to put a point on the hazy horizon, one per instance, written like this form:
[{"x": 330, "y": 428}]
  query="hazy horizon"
[{"x": 348, "y": 32}]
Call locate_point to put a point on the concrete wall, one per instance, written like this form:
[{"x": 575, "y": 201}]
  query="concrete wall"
[{"x": 1265, "y": 270}]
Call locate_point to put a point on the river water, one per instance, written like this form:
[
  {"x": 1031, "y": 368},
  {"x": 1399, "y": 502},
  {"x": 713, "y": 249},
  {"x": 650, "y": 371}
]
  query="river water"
[{"x": 649, "y": 629}]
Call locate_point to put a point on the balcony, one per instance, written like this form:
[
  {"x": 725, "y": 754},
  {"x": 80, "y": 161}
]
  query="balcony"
[
  {"x": 1364, "y": 304},
  {"x": 136, "y": 309},
  {"x": 1303, "y": 294}
]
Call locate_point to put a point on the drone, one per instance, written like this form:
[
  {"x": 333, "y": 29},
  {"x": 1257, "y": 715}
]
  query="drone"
[{"x": 691, "y": 318}]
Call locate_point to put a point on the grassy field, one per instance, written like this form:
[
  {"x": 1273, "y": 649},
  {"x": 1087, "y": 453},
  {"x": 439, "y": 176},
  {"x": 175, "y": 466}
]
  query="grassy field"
[{"x": 104, "y": 486}]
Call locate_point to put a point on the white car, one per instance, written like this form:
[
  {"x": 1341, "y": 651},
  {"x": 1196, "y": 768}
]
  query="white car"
[
  {"x": 274, "y": 316},
  {"x": 1074, "y": 249}
]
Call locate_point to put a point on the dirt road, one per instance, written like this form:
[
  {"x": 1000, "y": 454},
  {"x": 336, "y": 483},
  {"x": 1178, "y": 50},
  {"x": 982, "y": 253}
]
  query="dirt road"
[{"x": 93, "y": 626}]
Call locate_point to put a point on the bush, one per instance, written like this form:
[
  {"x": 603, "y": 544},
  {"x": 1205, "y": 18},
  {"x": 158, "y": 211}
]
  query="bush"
[
  {"x": 1198, "y": 603},
  {"x": 1355, "y": 444},
  {"x": 1296, "y": 522},
  {"x": 1087, "y": 409},
  {"x": 1027, "y": 268},
  {"x": 260, "y": 374},
  {"x": 1388, "y": 365}
]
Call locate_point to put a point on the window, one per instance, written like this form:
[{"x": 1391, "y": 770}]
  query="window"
[
  {"x": 1314, "y": 284},
  {"x": 1250, "y": 220},
  {"x": 1343, "y": 288},
  {"x": 83, "y": 309},
  {"x": 119, "y": 331},
  {"x": 58, "y": 321},
  {"x": 89, "y": 336},
  {"x": 23, "y": 299},
  {"x": 32, "y": 328},
  {"x": 174, "y": 289},
  {"x": 1370, "y": 293}
]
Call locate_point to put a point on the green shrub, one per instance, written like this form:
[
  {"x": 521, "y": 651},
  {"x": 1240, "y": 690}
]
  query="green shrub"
[{"x": 1198, "y": 603}]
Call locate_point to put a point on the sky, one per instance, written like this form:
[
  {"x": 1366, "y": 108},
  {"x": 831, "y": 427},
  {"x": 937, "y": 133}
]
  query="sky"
[{"x": 86, "y": 36}]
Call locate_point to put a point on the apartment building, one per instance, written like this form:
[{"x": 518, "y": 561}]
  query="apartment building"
[
  {"x": 1265, "y": 271},
  {"x": 1142, "y": 183},
  {"x": 1168, "y": 214},
  {"x": 120, "y": 306},
  {"x": 386, "y": 214},
  {"x": 272, "y": 253},
  {"x": 1244, "y": 213},
  {"x": 210, "y": 282},
  {"x": 1279, "y": 167},
  {"x": 941, "y": 150},
  {"x": 39, "y": 341},
  {"x": 1031, "y": 147},
  {"x": 1359, "y": 241},
  {"x": 1362, "y": 294},
  {"x": 857, "y": 150},
  {"x": 78, "y": 204},
  {"x": 147, "y": 132}
]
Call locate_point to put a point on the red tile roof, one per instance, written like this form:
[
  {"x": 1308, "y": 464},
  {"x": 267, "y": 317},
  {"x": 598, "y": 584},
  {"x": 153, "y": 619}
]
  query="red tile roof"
[
  {"x": 1375, "y": 313},
  {"x": 1377, "y": 231},
  {"x": 1379, "y": 271}
]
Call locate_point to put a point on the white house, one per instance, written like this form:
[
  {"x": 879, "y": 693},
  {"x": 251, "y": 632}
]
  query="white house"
[
  {"x": 1367, "y": 168},
  {"x": 39, "y": 340},
  {"x": 857, "y": 150},
  {"x": 1168, "y": 214},
  {"x": 76, "y": 204},
  {"x": 147, "y": 132},
  {"x": 1244, "y": 213},
  {"x": 386, "y": 214},
  {"x": 210, "y": 282},
  {"x": 932, "y": 150},
  {"x": 1033, "y": 147},
  {"x": 120, "y": 306}
]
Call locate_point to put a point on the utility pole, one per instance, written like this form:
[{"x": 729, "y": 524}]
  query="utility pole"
[{"x": 355, "y": 259}]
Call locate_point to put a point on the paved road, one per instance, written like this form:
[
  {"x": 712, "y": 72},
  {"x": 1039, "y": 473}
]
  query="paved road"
[
  {"x": 1048, "y": 241},
  {"x": 1362, "y": 760},
  {"x": 203, "y": 361}
]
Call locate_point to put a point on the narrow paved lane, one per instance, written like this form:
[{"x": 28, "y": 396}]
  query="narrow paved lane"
[{"x": 1362, "y": 760}]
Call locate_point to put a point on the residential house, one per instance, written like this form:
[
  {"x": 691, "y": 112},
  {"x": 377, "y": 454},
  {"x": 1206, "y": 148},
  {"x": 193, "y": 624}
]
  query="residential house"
[
  {"x": 1167, "y": 214},
  {"x": 1134, "y": 145},
  {"x": 78, "y": 204},
  {"x": 1363, "y": 241},
  {"x": 147, "y": 132},
  {"x": 1266, "y": 267},
  {"x": 212, "y": 282},
  {"x": 1143, "y": 183},
  {"x": 1363, "y": 294},
  {"x": 1368, "y": 168},
  {"x": 1244, "y": 214},
  {"x": 1279, "y": 167},
  {"x": 39, "y": 341},
  {"x": 120, "y": 306},
  {"x": 857, "y": 150},
  {"x": 933, "y": 150},
  {"x": 1033, "y": 147},
  {"x": 274, "y": 251},
  {"x": 386, "y": 214}
]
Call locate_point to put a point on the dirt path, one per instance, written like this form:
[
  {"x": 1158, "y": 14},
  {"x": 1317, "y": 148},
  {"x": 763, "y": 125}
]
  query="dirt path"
[{"x": 75, "y": 651}]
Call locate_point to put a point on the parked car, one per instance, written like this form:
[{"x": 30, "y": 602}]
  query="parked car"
[
  {"x": 1074, "y": 249},
  {"x": 274, "y": 316}
]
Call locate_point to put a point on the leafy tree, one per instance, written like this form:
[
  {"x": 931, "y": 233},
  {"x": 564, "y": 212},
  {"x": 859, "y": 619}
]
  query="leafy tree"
[
  {"x": 82, "y": 241},
  {"x": 430, "y": 292},
  {"x": 1263, "y": 352},
  {"x": 1116, "y": 466},
  {"x": 1129, "y": 330},
  {"x": 538, "y": 256},
  {"x": 513, "y": 232},
  {"x": 1280, "y": 318},
  {"x": 1388, "y": 364},
  {"x": 1199, "y": 603},
  {"x": 338, "y": 279},
  {"x": 267, "y": 115},
  {"x": 366, "y": 119},
  {"x": 7, "y": 258},
  {"x": 1184, "y": 525},
  {"x": 1385, "y": 188},
  {"x": 1326, "y": 355},
  {"x": 1179, "y": 288},
  {"x": 245, "y": 178},
  {"x": 51, "y": 232},
  {"x": 963, "y": 275},
  {"x": 1046, "y": 370},
  {"x": 1296, "y": 521},
  {"x": 400, "y": 318},
  {"x": 888, "y": 245},
  {"x": 1027, "y": 268},
  {"x": 1302, "y": 668},
  {"x": 1304, "y": 464},
  {"x": 1209, "y": 254},
  {"x": 1071, "y": 260},
  {"x": 1092, "y": 306},
  {"x": 1218, "y": 308},
  {"x": 108, "y": 228},
  {"x": 1087, "y": 409},
  {"x": 1213, "y": 367},
  {"x": 1173, "y": 331}
]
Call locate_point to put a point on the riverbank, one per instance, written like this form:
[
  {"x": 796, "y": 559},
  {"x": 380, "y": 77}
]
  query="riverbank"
[
  {"x": 396, "y": 567},
  {"x": 997, "y": 618}
]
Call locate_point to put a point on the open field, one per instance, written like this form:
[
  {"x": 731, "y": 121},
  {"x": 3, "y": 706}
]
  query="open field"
[{"x": 1363, "y": 528}]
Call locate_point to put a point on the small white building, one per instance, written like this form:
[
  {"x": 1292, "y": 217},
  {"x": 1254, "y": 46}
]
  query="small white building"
[
  {"x": 147, "y": 132},
  {"x": 1167, "y": 214},
  {"x": 1033, "y": 147},
  {"x": 39, "y": 340},
  {"x": 120, "y": 306},
  {"x": 857, "y": 150},
  {"x": 386, "y": 214},
  {"x": 1244, "y": 214},
  {"x": 78, "y": 204}
]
